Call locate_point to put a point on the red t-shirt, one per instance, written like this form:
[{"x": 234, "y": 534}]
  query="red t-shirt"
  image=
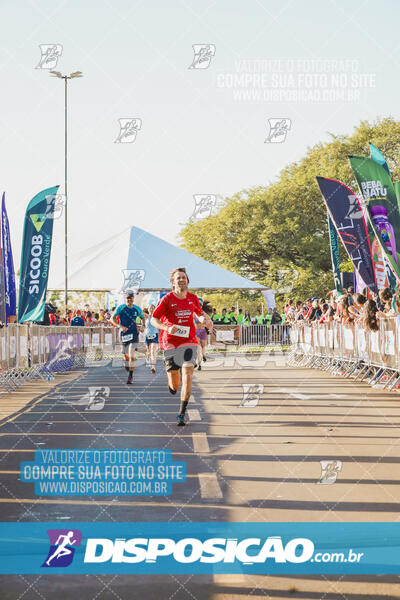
[{"x": 172, "y": 310}]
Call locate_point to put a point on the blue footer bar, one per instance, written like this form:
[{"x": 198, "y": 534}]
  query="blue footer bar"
[{"x": 248, "y": 548}]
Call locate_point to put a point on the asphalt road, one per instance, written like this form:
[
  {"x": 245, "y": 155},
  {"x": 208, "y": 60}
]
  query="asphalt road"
[{"x": 257, "y": 433}]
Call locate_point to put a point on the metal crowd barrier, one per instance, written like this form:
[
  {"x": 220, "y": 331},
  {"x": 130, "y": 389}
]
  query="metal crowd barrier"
[
  {"x": 249, "y": 335},
  {"x": 264, "y": 335},
  {"x": 349, "y": 350},
  {"x": 30, "y": 352}
]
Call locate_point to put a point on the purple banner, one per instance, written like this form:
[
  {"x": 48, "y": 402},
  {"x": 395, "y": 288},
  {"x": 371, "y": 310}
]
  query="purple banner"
[
  {"x": 63, "y": 348},
  {"x": 10, "y": 296}
]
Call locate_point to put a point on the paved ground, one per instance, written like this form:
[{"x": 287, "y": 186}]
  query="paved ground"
[{"x": 254, "y": 460}]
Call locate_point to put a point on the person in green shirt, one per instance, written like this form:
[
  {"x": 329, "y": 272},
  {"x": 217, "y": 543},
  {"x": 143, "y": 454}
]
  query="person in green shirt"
[
  {"x": 215, "y": 316},
  {"x": 247, "y": 317},
  {"x": 258, "y": 319},
  {"x": 224, "y": 317},
  {"x": 268, "y": 317},
  {"x": 232, "y": 315},
  {"x": 240, "y": 317}
]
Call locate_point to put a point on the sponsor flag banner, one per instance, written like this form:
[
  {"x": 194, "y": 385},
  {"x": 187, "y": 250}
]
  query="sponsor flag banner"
[
  {"x": 48, "y": 548},
  {"x": 35, "y": 256},
  {"x": 390, "y": 280},
  {"x": 2, "y": 288},
  {"x": 334, "y": 244},
  {"x": 381, "y": 203},
  {"x": 396, "y": 185},
  {"x": 346, "y": 213},
  {"x": 377, "y": 156},
  {"x": 10, "y": 296}
]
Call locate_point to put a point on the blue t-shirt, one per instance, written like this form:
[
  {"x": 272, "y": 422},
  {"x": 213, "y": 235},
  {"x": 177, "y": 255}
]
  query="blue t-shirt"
[
  {"x": 150, "y": 331},
  {"x": 77, "y": 321},
  {"x": 127, "y": 317}
]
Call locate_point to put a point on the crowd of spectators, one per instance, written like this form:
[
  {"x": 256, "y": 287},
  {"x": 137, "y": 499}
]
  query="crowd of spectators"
[
  {"x": 80, "y": 317},
  {"x": 346, "y": 307},
  {"x": 272, "y": 317},
  {"x": 90, "y": 318}
]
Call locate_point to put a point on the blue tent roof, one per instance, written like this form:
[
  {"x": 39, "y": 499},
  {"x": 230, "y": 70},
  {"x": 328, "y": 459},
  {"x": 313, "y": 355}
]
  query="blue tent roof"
[{"x": 105, "y": 265}]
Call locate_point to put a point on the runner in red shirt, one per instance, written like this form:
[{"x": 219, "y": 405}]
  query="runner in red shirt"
[{"x": 174, "y": 316}]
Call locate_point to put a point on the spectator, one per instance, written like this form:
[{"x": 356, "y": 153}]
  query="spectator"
[
  {"x": 215, "y": 317},
  {"x": 314, "y": 312},
  {"x": 232, "y": 315},
  {"x": 89, "y": 319},
  {"x": 247, "y": 317},
  {"x": 386, "y": 297},
  {"x": 370, "y": 321},
  {"x": 240, "y": 317},
  {"x": 276, "y": 318},
  {"x": 224, "y": 319},
  {"x": 350, "y": 292},
  {"x": 258, "y": 319},
  {"x": 325, "y": 313},
  {"x": 77, "y": 320},
  {"x": 358, "y": 302},
  {"x": 343, "y": 310}
]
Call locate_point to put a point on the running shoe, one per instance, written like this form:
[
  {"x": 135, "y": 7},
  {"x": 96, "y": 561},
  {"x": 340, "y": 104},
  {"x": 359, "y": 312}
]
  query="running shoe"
[
  {"x": 204, "y": 359},
  {"x": 130, "y": 379},
  {"x": 172, "y": 391},
  {"x": 153, "y": 369},
  {"x": 199, "y": 367},
  {"x": 181, "y": 420}
]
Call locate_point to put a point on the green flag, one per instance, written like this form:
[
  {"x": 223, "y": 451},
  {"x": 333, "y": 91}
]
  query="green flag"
[
  {"x": 382, "y": 208},
  {"x": 35, "y": 256}
]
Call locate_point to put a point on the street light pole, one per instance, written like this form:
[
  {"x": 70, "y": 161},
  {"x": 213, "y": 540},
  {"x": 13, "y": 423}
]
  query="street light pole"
[
  {"x": 66, "y": 77},
  {"x": 66, "y": 195}
]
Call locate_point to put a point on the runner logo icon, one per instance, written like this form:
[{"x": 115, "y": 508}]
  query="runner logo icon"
[
  {"x": 62, "y": 547},
  {"x": 251, "y": 393},
  {"x": 278, "y": 129},
  {"x": 203, "y": 53},
  {"x": 329, "y": 471},
  {"x": 132, "y": 279},
  {"x": 128, "y": 129},
  {"x": 50, "y": 53}
]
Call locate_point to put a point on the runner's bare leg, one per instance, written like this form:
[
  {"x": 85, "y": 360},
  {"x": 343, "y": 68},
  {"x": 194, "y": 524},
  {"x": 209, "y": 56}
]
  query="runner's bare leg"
[
  {"x": 186, "y": 389},
  {"x": 174, "y": 379}
]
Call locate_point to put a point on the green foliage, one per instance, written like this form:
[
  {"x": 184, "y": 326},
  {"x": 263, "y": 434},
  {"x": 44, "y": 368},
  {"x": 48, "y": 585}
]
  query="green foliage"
[
  {"x": 277, "y": 234},
  {"x": 347, "y": 265}
]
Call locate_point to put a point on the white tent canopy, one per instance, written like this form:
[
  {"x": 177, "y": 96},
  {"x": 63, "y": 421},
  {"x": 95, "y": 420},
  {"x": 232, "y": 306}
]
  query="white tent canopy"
[{"x": 105, "y": 266}]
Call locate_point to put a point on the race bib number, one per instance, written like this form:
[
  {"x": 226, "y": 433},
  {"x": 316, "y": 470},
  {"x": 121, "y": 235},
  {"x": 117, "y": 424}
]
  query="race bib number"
[
  {"x": 182, "y": 331},
  {"x": 152, "y": 336},
  {"x": 126, "y": 337}
]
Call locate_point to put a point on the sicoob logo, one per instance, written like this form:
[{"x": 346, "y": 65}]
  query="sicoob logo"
[{"x": 62, "y": 542}]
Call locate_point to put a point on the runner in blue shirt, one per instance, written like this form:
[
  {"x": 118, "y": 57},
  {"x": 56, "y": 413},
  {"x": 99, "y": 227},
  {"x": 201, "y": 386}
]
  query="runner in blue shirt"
[
  {"x": 128, "y": 330},
  {"x": 151, "y": 333}
]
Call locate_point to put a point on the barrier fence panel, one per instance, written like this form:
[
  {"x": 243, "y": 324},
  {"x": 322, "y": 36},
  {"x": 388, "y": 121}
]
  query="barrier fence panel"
[
  {"x": 30, "y": 351},
  {"x": 12, "y": 346},
  {"x": 262, "y": 335},
  {"x": 349, "y": 350},
  {"x": 224, "y": 335},
  {"x": 3, "y": 349},
  {"x": 388, "y": 340},
  {"x": 23, "y": 346}
]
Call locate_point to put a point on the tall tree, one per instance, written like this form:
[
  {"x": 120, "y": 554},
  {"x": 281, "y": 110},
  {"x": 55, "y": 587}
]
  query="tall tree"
[{"x": 277, "y": 234}]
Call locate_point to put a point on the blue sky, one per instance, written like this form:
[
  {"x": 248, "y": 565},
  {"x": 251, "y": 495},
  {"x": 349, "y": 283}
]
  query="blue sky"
[{"x": 198, "y": 134}]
